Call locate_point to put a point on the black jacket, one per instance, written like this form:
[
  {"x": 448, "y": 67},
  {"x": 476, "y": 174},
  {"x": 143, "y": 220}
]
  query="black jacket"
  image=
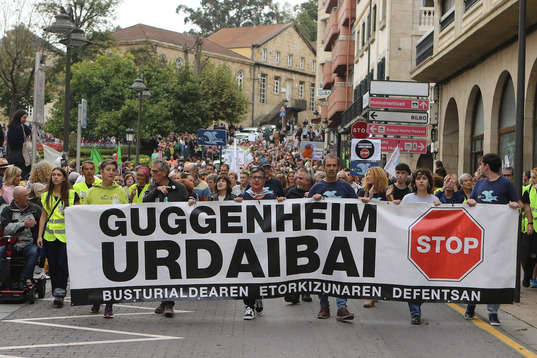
[
  {"x": 11, "y": 214},
  {"x": 229, "y": 196},
  {"x": 176, "y": 192}
]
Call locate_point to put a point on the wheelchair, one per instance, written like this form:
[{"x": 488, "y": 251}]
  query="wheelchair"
[{"x": 13, "y": 264}]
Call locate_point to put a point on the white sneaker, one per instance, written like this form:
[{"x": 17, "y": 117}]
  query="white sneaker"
[{"x": 249, "y": 313}]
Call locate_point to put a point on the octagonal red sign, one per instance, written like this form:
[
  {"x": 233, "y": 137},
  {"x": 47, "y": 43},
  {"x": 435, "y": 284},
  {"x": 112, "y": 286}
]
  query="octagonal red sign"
[{"x": 446, "y": 244}]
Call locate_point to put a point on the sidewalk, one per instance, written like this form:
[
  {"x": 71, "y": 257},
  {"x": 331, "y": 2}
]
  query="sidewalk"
[{"x": 526, "y": 309}]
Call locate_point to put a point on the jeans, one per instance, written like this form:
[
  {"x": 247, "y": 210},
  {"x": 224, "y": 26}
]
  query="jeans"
[
  {"x": 30, "y": 252},
  {"x": 491, "y": 307},
  {"x": 415, "y": 308},
  {"x": 341, "y": 302}
]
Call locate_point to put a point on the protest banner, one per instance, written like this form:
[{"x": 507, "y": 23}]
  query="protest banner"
[{"x": 338, "y": 247}]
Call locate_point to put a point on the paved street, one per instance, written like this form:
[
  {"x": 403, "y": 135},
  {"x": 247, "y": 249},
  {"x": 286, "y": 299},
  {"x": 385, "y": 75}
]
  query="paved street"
[{"x": 216, "y": 329}]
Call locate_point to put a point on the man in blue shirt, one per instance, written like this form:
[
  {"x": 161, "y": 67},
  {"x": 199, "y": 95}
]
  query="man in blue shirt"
[
  {"x": 492, "y": 189},
  {"x": 332, "y": 187}
]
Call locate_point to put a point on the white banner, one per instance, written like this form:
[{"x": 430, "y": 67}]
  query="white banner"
[{"x": 170, "y": 251}]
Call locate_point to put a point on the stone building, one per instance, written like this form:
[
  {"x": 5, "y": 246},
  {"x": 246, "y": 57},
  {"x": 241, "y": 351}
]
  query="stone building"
[
  {"x": 283, "y": 73},
  {"x": 274, "y": 64},
  {"x": 472, "y": 56}
]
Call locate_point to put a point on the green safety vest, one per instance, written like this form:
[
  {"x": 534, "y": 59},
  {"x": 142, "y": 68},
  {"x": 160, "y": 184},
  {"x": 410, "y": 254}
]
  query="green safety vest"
[
  {"x": 82, "y": 189},
  {"x": 138, "y": 197},
  {"x": 533, "y": 206},
  {"x": 55, "y": 227}
]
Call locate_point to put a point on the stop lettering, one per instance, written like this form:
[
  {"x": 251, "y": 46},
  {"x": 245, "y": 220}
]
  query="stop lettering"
[{"x": 446, "y": 244}]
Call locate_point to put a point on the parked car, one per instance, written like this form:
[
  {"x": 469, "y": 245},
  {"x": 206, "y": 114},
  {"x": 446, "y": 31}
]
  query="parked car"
[{"x": 252, "y": 130}]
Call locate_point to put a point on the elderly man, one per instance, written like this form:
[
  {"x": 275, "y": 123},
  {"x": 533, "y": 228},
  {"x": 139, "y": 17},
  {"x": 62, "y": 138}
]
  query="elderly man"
[
  {"x": 21, "y": 219},
  {"x": 200, "y": 187}
]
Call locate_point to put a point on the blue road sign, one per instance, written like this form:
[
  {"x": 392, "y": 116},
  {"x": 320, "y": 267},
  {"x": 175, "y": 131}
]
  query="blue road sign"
[{"x": 212, "y": 137}]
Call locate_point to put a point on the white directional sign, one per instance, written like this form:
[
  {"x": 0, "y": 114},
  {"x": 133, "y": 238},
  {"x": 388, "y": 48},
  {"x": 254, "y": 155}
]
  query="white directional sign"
[
  {"x": 399, "y": 88},
  {"x": 390, "y": 129},
  {"x": 403, "y": 117}
]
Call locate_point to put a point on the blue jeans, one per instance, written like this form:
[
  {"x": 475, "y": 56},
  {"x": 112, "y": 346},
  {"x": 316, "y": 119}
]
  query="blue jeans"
[
  {"x": 491, "y": 307},
  {"x": 415, "y": 308},
  {"x": 30, "y": 252},
  {"x": 341, "y": 302}
]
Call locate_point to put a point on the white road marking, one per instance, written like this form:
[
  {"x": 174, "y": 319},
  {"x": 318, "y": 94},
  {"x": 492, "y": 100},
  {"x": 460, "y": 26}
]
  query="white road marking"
[{"x": 55, "y": 345}]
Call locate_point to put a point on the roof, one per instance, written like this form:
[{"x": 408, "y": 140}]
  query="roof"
[
  {"x": 247, "y": 36},
  {"x": 145, "y": 32}
]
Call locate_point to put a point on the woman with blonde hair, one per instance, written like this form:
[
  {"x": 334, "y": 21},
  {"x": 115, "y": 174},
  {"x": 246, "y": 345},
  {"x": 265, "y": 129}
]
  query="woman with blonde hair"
[
  {"x": 40, "y": 173},
  {"x": 12, "y": 178},
  {"x": 375, "y": 185}
]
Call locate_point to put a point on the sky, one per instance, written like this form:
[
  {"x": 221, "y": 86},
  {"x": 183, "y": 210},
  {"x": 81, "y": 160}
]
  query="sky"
[{"x": 132, "y": 12}]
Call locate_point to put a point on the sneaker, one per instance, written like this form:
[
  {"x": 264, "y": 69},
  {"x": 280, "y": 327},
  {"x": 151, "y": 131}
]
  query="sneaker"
[
  {"x": 533, "y": 283},
  {"x": 470, "y": 312},
  {"x": 58, "y": 301},
  {"x": 258, "y": 305},
  {"x": 343, "y": 314},
  {"x": 493, "y": 319},
  {"x": 324, "y": 313},
  {"x": 369, "y": 303},
  {"x": 108, "y": 312},
  {"x": 306, "y": 297},
  {"x": 526, "y": 282},
  {"x": 23, "y": 283},
  {"x": 159, "y": 309},
  {"x": 95, "y": 309},
  {"x": 168, "y": 312},
  {"x": 416, "y": 319},
  {"x": 249, "y": 313}
]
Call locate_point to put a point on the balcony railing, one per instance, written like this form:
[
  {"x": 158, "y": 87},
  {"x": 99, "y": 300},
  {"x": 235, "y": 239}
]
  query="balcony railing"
[
  {"x": 347, "y": 12},
  {"x": 328, "y": 75},
  {"x": 331, "y": 30},
  {"x": 339, "y": 100},
  {"x": 425, "y": 47},
  {"x": 329, "y": 5},
  {"x": 352, "y": 112},
  {"x": 342, "y": 55},
  {"x": 427, "y": 16}
]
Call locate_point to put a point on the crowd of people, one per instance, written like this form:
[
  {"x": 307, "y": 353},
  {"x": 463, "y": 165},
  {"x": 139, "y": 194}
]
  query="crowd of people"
[{"x": 182, "y": 171}]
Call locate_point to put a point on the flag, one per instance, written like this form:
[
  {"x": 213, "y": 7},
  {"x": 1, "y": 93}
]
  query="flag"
[
  {"x": 394, "y": 160},
  {"x": 118, "y": 154},
  {"x": 96, "y": 158}
]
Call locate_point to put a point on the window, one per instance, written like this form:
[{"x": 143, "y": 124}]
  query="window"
[
  {"x": 240, "y": 79},
  {"x": 277, "y": 59},
  {"x": 363, "y": 33},
  {"x": 301, "y": 89},
  {"x": 263, "y": 89},
  {"x": 313, "y": 65},
  {"x": 478, "y": 130},
  {"x": 312, "y": 97},
  {"x": 506, "y": 131},
  {"x": 178, "y": 62},
  {"x": 447, "y": 5},
  {"x": 302, "y": 60},
  {"x": 374, "y": 18},
  {"x": 264, "y": 54},
  {"x": 290, "y": 60},
  {"x": 276, "y": 84}
]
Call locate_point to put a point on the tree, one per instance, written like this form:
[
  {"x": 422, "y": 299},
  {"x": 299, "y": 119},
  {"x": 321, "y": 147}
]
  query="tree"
[
  {"x": 306, "y": 19},
  {"x": 226, "y": 101},
  {"x": 213, "y": 15}
]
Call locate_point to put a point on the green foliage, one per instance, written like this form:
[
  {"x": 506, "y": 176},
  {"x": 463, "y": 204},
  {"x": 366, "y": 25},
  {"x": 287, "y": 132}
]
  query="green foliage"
[
  {"x": 306, "y": 19},
  {"x": 227, "y": 103},
  {"x": 213, "y": 15}
]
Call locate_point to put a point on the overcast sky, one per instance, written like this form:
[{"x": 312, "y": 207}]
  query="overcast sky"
[{"x": 160, "y": 13}]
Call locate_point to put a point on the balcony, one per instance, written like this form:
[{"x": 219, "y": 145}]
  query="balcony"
[
  {"x": 351, "y": 113},
  {"x": 347, "y": 12},
  {"x": 342, "y": 55},
  {"x": 329, "y": 5},
  {"x": 328, "y": 75},
  {"x": 331, "y": 30},
  {"x": 481, "y": 31},
  {"x": 324, "y": 112},
  {"x": 340, "y": 99},
  {"x": 427, "y": 17},
  {"x": 425, "y": 47}
]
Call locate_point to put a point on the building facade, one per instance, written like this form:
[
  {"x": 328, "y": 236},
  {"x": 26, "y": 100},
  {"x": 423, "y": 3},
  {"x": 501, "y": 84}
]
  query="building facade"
[{"x": 472, "y": 56}]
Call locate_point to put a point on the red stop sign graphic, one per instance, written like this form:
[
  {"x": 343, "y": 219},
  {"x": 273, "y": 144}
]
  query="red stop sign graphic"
[
  {"x": 359, "y": 130},
  {"x": 364, "y": 153},
  {"x": 446, "y": 244}
]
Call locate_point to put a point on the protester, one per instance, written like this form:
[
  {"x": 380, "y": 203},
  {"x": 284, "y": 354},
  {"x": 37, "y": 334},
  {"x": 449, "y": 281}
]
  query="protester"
[
  {"x": 139, "y": 189},
  {"x": 529, "y": 240},
  {"x": 200, "y": 187},
  {"x": 58, "y": 197},
  {"x": 493, "y": 189},
  {"x": 467, "y": 184},
  {"x": 12, "y": 179},
  {"x": 332, "y": 187},
  {"x": 106, "y": 192},
  {"x": 449, "y": 193},
  {"x": 400, "y": 188},
  {"x": 88, "y": 172},
  {"x": 4, "y": 165},
  {"x": 17, "y": 134},
  {"x": 244, "y": 181},
  {"x": 223, "y": 189}
]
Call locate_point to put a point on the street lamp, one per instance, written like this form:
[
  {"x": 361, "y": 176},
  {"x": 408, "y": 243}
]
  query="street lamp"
[
  {"x": 143, "y": 93},
  {"x": 75, "y": 38},
  {"x": 129, "y": 134}
]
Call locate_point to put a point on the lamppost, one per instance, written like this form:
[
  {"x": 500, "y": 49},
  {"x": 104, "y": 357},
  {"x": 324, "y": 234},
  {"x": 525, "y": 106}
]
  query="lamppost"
[
  {"x": 143, "y": 93},
  {"x": 75, "y": 38},
  {"x": 129, "y": 134}
]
